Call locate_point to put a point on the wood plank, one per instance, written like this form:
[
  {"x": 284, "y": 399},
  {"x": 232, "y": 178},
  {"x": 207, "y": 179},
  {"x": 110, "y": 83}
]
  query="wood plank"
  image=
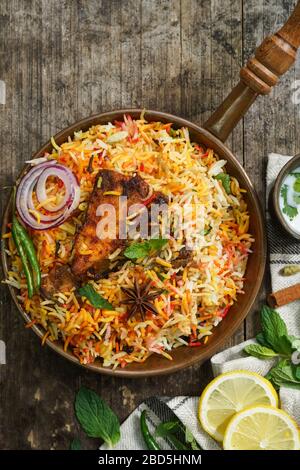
[
  {"x": 271, "y": 124},
  {"x": 64, "y": 60}
]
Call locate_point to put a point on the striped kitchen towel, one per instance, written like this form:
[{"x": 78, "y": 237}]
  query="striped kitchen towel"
[{"x": 283, "y": 250}]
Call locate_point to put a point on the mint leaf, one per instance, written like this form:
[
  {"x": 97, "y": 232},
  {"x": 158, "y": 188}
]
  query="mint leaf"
[
  {"x": 95, "y": 299},
  {"x": 189, "y": 439},
  {"x": 96, "y": 417},
  {"x": 75, "y": 444},
  {"x": 295, "y": 343},
  {"x": 164, "y": 429},
  {"x": 261, "y": 340},
  {"x": 172, "y": 430},
  {"x": 290, "y": 211},
  {"x": 284, "y": 374},
  {"x": 141, "y": 249},
  {"x": 259, "y": 351},
  {"x": 157, "y": 244},
  {"x": 137, "y": 250},
  {"x": 225, "y": 180},
  {"x": 285, "y": 345},
  {"x": 274, "y": 330}
]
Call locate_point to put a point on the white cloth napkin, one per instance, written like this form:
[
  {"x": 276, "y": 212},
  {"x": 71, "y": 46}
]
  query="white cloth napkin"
[{"x": 283, "y": 250}]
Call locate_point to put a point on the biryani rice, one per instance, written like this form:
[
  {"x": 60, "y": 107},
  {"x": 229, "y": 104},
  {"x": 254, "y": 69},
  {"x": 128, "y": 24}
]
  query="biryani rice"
[{"x": 195, "y": 298}]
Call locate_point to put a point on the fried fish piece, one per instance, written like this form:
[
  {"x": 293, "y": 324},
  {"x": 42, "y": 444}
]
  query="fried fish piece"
[
  {"x": 59, "y": 279},
  {"x": 91, "y": 254}
]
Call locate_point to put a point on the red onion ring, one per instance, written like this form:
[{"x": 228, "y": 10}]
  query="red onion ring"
[{"x": 36, "y": 179}]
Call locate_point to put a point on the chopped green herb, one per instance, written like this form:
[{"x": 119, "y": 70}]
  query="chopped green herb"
[
  {"x": 225, "y": 180},
  {"x": 290, "y": 211},
  {"x": 205, "y": 231},
  {"x": 95, "y": 299},
  {"x": 297, "y": 185},
  {"x": 142, "y": 249},
  {"x": 173, "y": 133}
]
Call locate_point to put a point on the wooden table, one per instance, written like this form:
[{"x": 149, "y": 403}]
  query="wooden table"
[{"x": 62, "y": 60}]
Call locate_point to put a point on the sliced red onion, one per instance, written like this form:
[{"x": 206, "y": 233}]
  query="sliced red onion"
[
  {"x": 41, "y": 193},
  {"x": 36, "y": 179}
]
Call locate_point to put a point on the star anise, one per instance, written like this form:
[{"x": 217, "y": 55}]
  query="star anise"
[{"x": 140, "y": 299}]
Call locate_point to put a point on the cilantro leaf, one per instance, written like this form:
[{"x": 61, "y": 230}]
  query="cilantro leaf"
[
  {"x": 297, "y": 185},
  {"x": 95, "y": 299},
  {"x": 96, "y": 417},
  {"x": 290, "y": 211},
  {"x": 225, "y": 180}
]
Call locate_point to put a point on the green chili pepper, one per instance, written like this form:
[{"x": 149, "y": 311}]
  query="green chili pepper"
[
  {"x": 24, "y": 260},
  {"x": 148, "y": 438},
  {"x": 29, "y": 250}
]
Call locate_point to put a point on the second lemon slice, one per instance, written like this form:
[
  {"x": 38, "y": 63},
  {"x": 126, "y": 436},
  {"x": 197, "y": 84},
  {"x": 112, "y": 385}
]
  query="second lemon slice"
[
  {"x": 261, "y": 428},
  {"x": 230, "y": 393}
]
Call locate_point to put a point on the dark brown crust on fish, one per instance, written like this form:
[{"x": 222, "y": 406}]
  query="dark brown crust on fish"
[{"x": 59, "y": 279}]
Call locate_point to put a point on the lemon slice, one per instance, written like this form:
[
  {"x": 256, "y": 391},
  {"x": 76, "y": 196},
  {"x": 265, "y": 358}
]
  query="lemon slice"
[
  {"x": 261, "y": 428},
  {"x": 230, "y": 393}
]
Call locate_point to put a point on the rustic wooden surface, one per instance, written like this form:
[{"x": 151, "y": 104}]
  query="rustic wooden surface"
[{"x": 62, "y": 60}]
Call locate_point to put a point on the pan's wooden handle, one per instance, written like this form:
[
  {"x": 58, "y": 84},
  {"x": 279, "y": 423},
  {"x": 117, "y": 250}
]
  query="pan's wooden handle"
[{"x": 272, "y": 58}]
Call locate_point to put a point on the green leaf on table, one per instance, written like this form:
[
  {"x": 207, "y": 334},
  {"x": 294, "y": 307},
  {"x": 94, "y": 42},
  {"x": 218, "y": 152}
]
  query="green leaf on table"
[
  {"x": 225, "y": 180},
  {"x": 284, "y": 374},
  {"x": 165, "y": 428},
  {"x": 189, "y": 439},
  {"x": 261, "y": 340},
  {"x": 290, "y": 211},
  {"x": 96, "y": 417},
  {"x": 169, "y": 429},
  {"x": 75, "y": 444},
  {"x": 259, "y": 351},
  {"x": 275, "y": 331},
  {"x": 95, "y": 299},
  {"x": 297, "y": 372},
  {"x": 295, "y": 342},
  {"x": 142, "y": 249}
]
